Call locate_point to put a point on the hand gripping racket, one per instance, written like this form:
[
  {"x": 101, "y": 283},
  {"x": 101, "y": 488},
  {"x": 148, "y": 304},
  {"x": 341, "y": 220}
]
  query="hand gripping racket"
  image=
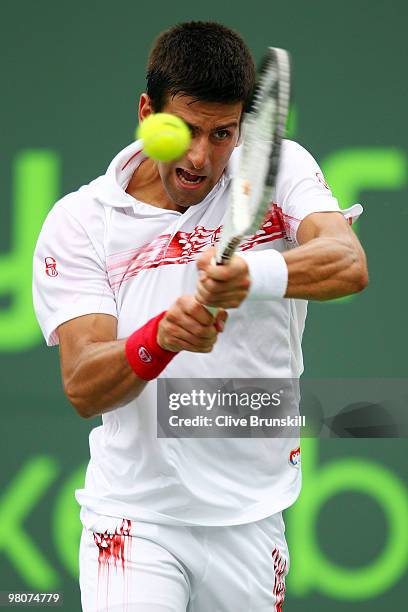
[{"x": 263, "y": 128}]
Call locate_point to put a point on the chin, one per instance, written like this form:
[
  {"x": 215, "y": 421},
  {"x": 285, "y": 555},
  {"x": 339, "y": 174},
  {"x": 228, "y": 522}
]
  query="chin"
[
  {"x": 188, "y": 199},
  {"x": 186, "y": 204}
]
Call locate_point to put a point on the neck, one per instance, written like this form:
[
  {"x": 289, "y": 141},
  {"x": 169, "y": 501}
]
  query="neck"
[{"x": 146, "y": 186}]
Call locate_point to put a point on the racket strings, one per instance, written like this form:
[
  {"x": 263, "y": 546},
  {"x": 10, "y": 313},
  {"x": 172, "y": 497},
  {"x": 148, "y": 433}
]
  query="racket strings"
[{"x": 263, "y": 130}]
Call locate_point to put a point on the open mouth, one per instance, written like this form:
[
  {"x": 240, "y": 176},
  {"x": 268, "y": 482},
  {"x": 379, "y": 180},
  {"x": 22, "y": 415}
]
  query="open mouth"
[{"x": 187, "y": 178}]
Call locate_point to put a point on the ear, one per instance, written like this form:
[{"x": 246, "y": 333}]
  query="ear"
[{"x": 145, "y": 107}]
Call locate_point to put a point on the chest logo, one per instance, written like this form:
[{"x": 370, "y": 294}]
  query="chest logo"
[{"x": 184, "y": 247}]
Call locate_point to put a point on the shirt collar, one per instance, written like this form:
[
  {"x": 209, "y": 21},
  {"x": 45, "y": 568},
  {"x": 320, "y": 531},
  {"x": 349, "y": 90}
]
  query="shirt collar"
[{"x": 110, "y": 188}]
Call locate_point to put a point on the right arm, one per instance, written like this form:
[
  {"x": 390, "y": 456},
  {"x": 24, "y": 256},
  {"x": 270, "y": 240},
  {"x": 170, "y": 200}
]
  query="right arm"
[{"x": 95, "y": 372}]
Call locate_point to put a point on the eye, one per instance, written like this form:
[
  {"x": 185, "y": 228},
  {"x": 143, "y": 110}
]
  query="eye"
[{"x": 222, "y": 134}]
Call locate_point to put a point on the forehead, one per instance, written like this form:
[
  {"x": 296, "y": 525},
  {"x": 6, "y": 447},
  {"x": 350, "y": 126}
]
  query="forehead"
[{"x": 204, "y": 114}]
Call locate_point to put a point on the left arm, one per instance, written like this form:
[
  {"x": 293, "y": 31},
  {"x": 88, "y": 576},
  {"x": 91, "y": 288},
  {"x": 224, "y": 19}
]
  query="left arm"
[{"x": 329, "y": 263}]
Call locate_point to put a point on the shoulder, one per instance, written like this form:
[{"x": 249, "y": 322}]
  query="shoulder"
[
  {"x": 77, "y": 214},
  {"x": 82, "y": 207},
  {"x": 294, "y": 157},
  {"x": 298, "y": 169}
]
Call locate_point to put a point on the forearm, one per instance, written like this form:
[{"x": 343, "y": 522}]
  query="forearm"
[
  {"x": 325, "y": 268},
  {"x": 103, "y": 379},
  {"x": 104, "y": 375},
  {"x": 329, "y": 263}
]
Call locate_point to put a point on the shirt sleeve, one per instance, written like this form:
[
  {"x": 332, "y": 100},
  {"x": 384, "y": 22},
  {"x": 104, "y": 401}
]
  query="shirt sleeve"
[
  {"x": 69, "y": 277},
  {"x": 301, "y": 190}
]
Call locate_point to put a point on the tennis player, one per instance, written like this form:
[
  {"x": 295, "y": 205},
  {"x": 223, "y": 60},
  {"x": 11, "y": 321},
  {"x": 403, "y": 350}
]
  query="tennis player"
[{"x": 122, "y": 270}]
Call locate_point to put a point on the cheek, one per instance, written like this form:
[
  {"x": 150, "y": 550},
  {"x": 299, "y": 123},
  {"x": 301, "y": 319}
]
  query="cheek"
[
  {"x": 165, "y": 170},
  {"x": 221, "y": 158}
]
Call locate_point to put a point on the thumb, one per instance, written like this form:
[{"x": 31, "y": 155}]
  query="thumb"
[
  {"x": 220, "y": 320},
  {"x": 205, "y": 259}
]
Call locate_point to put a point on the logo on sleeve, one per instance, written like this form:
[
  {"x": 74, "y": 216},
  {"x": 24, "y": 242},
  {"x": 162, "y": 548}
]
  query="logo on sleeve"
[
  {"x": 51, "y": 266},
  {"x": 144, "y": 355},
  {"x": 294, "y": 457}
]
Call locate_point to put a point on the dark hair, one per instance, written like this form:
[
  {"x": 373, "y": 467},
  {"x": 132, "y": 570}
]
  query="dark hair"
[{"x": 204, "y": 60}]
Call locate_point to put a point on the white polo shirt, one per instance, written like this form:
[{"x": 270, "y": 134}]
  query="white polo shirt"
[{"x": 102, "y": 251}]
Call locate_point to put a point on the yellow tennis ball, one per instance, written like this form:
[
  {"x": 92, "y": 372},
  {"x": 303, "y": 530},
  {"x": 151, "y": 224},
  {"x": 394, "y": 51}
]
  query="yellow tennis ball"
[{"x": 165, "y": 136}]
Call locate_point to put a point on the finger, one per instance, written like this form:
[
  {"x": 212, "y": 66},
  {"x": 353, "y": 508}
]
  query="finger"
[
  {"x": 199, "y": 349},
  {"x": 202, "y": 296},
  {"x": 181, "y": 338},
  {"x": 218, "y": 287},
  {"x": 229, "y": 271},
  {"x": 227, "y": 300},
  {"x": 207, "y": 297},
  {"x": 205, "y": 259},
  {"x": 192, "y": 327},
  {"x": 178, "y": 344},
  {"x": 198, "y": 312}
]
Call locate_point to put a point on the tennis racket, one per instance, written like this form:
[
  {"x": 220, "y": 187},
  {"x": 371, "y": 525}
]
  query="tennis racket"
[{"x": 263, "y": 128}]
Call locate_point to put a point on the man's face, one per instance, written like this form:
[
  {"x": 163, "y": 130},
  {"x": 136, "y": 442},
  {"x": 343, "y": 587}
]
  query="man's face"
[{"x": 215, "y": 132}]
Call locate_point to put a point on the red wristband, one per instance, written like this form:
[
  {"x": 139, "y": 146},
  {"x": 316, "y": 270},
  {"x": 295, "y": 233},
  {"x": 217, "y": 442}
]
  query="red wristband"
[{"x": 145, "y": 356}]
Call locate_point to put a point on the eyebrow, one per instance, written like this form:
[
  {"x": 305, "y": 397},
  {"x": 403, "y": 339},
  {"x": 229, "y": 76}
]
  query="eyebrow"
[{"x": 220, "y": 127}]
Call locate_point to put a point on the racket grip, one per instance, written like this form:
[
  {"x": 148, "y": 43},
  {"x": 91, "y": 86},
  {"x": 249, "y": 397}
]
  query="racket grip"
[{"x": 212, "y": 310}]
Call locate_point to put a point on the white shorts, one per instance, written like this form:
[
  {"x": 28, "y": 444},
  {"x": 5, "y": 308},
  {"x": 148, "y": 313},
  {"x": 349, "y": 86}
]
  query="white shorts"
[{"x": 144, "y": 567}]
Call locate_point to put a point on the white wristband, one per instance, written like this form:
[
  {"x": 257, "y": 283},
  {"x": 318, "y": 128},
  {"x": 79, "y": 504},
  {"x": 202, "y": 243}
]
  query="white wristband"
[{"x": 268, "y": 272}]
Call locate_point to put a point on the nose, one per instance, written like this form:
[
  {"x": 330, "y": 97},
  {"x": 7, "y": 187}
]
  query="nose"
[{"x": 198, "y": 152}]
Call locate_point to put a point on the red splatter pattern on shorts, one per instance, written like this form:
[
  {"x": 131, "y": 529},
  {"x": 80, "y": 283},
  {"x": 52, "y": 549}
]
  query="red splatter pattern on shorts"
[
  {"x": 112, "y": 545},
  {"x": 114, "y": 550},
  {"x": 279, "y": 587}
]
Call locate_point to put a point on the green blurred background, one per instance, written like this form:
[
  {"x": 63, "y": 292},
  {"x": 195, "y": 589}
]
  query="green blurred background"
[{"x": 71, "y": 76}]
